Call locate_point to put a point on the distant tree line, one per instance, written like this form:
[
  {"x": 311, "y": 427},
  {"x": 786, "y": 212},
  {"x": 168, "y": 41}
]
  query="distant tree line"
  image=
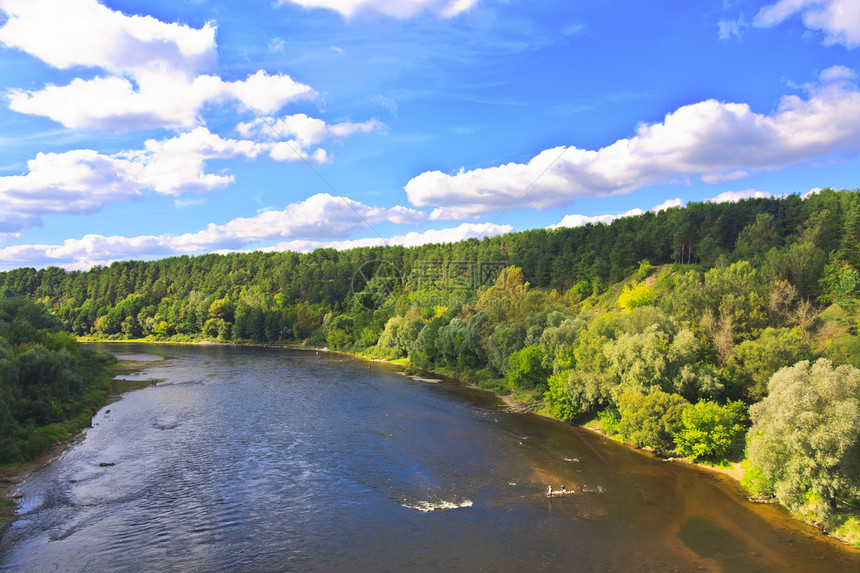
[{"x": 268, "y": 297}]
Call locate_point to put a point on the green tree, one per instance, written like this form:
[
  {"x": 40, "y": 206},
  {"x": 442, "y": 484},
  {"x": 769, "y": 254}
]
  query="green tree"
[
  {"x": 504, "y": 299},
  {"x": 710, "y": 431},
  {"x": 558, "y": 342},
  {"x": 805, "y": 435},
  {"x": 755, "y": 361},
  {"x": 423, "y": 352},
  {"x": 651, "y": 420},
  {"x": 757, "y": 238},
  {"x": 449, "y": 340},
  {"x": 506, "y": 339},
  {"x": 527, "y": 370},
  {"x": 557, "y": 398},
  {"x": 388, "y": 340},
  {"x": 223, "y": 309}
]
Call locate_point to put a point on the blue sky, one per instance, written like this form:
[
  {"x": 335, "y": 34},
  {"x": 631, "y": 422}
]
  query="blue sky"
[{"x": 140, "y": 130}]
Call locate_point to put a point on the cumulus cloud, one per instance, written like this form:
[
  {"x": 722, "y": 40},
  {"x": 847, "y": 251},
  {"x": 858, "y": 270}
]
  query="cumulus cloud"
[
  {"x": 83, "y": 180},
  {"x": 735, "y": 196},
  {"x": 80, "y": 181},
  {"x": 67, "y": 33},
  {"x": 299, "y": 133},
  {"x": 668, "y": 204},
  {"x": 320, "y": 220},
  {"x": 158, "y": 100},
  {"x": 395, "y": 8},
  {"x": 413, "y": 239},
  {"x": 582, "y": 220},
  {"x": 156, "y": 71},
  {"x": 726, "y": 197},
  {"x": 716, "y": 140},
  {"x": 321, "y": 216},
  {"x": 838, "y": 19}
]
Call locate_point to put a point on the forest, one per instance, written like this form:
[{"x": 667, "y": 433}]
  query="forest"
[{"x": 716, "y": 332}]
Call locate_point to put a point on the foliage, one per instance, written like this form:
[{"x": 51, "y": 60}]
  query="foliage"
[
  {"x": 506, "y": 339},
  {"x": 711, "y": 431},
  {"x": 805, "y": 435},
  {"x": 610, "y": 421},
  {"x": 643, "y": 271},
  {"x": 527, "y": 370},
  {"x": 635, "y": 295},
  {"x": 48, "y": 386},
  {"x": 557, "y": 398},
  {"x": 651, "y": 420},
  {"x": 755, "y": 361},
  {"x": 559, "y": 341}
]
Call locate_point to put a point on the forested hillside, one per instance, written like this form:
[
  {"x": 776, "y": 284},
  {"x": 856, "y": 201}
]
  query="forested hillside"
[
  {"x": 703, "y": 331},
  {"x": 284, "y": 296}
]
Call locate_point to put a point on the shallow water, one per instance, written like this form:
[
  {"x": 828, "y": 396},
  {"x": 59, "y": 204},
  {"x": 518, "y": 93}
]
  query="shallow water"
[{"x": 253, "y": 459}]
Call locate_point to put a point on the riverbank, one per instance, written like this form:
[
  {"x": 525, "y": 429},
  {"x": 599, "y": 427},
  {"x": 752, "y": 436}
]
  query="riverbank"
[{"x": 12, "y": 476}]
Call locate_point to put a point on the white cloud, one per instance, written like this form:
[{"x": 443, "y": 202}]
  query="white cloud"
[
  {"x": 395, "y": 8},
  {"x": 735, "y": 196},
  {"x": 387, "y": 103},
  {"x": 321, "y": 218},
  {"x": 155, "y": 70},
  {"x": 729, "y": 28},
  {"x": 67, "y": 33},
  {"x": 83, "y": 180},
  {"x": 297, "y": 134},
  {"x": 178, "y": 165},
  {"x": 668, "y": 204},
  {"x": 276, "y": 45},
  {"x": 838, "y": 19},
  {"x": 717, "y": 140},
  {"x": 168, "y": 100},
  {"x": 80, "y": 181},
  {"x": 714, "y": 178},
  {"x": 582, "y": 220}
]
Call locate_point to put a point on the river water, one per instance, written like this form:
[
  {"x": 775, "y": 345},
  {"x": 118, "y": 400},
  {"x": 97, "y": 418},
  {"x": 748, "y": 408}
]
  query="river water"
[{"x": 255, "y": 459}]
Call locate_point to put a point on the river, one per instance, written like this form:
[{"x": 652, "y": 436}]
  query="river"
[{"x": 261, "y": 459}]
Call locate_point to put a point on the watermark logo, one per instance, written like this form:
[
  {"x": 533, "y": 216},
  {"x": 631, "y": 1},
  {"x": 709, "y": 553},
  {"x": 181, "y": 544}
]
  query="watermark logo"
[{"x": 376, "y": 284}]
